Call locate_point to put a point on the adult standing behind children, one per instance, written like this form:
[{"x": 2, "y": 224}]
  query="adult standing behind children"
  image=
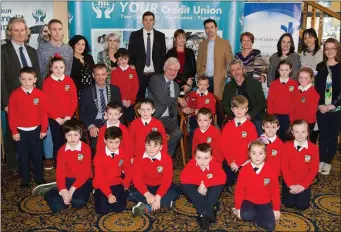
[{"x": 147, "y": 48}]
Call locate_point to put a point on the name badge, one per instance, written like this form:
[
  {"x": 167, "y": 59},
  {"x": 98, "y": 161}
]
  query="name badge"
[
  {"x": 159, "y": 169},
  {"x": 120, "y": 163},
  {"x": 244, "y": 134},
  {"x": 35, "y": 101},
  {"x": 303, "y": 99},
  {"x": 291, "y": 88},
  {"x": 154, "y": 129},
  {"x": 209, "y": 140},
  {"x": 266, "y": 181},
  {"x": 130, "y": 76},
  {"x": 80, "y": 157},
  {"x": 273, "y": 152},
  {"x": 209, "y": 175},
  {"x": 307, "y": 158},
  {"x": 207, "y": 101},
  {"x": 67, "y": 87}
]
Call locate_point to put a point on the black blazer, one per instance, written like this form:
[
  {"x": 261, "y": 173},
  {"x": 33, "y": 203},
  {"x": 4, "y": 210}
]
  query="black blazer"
[
  {"x": 76, "y": 73},
  {"x": 87, "y": 106},
  {"x": 190, "y": 68},
  {"x": 10, "y": 69},
  {"x": 138, "y": 52}
]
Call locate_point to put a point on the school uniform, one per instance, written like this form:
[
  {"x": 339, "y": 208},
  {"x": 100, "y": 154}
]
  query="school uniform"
[
  {"x": 299, "y": 165},
  {"x": 138, "y": 131},
  {"x": 279, "y": 103},
  {"x": 28, "y": 117},
  {"x": 214, "y": 180},
  {"x": 235, "y": 139},
  {"x": 127, "y": 81},
  {"x": 125, "y": 141},
  {"x": 154, "y": 175},
  {"x": 211, "y": 136},
  {"x": 112, "y": 176},
  {"x": 73, "y": 169},
  {"x": 61, "y": 94},
  {"x": 257, "y": 195},
  {"x": 273, "y": 152}
]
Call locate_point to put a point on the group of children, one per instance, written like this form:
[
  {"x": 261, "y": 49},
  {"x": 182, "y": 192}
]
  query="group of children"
[{"x": 133, "y": 164}]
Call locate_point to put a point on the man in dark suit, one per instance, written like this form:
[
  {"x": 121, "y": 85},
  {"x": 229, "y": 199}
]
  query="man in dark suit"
[
  {"x": 147, "y": 48},
  {"x": 94, "y": 100},
  {"x": 165, "y": 93},
  {"x": 14, "y": 56}
]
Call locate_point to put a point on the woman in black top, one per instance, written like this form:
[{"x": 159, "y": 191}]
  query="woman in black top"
[
  {"x": 82, "y": 64},
  {"x": 328, "y": 85},
  {"x": 186, "y": 74}
]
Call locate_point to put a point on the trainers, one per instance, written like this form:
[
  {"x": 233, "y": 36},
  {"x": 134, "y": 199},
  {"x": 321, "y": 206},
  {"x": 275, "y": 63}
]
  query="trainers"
[
  {"x": 321, "y": 166},
  {"x": 44, "y": 188},
  {"x": 48, "y": 164},
  {"x": 139, "y": 209},
  {"x": 326, "y": 169}
]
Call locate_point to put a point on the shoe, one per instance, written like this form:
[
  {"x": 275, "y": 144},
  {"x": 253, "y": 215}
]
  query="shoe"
[
  {"x": 44, "y": 188},
  {"x": 199, "y": 221},
  {"x": 206, "y": 224},
  {"x": 139, "y": 209},
  {"x": 321, "y": 166},
  {"x": 326, "y": 169},
  {"x": 48, "y": 164}
]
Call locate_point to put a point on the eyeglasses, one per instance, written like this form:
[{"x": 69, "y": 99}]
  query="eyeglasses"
[{"x": 330, "y": 49}]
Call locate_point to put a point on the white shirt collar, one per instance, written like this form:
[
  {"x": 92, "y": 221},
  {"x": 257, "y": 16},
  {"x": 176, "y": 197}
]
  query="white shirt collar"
[
  {"x": 108, "y": 152},
  {"x": 27, "y": 91},
  {"x": 171, "y": 81},
  {"x": 205, "y": 93},
  {"x": 241, "y": 121},
  {"x": 271, "y": 139},
  {"x": 146, "y": 121},
  {"x": 151, "y": 32},
  {"x": 284, "y": 80},
  {"x": 111, "y": 125},
  {"x": 158, "y": 156},
  {"x": 54, "y": 77},
  {"x": 78, "y": 147},
  {"x": 124, "y": 68},
  {"x": 203, "y": 131},
  {"x": 259, "y": 168},
  {"x": 304, "y": 145},
  {"x": 305, "y": 88},
  {"x": 208, "y": 167},
  {"x": 17, "y": 46}
]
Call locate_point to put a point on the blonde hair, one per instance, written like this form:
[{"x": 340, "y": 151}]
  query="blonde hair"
[
  {"x": 111, "y": 35},
  {"x": 239, "y": 101},
  {"x": 10, "y": 25},
  {"x": 257, "y": 143},
  {"x": 171, "y": 61}
]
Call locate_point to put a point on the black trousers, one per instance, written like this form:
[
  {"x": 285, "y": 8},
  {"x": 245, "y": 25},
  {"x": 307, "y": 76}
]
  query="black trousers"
[
  {"x": 230, "y": 175},
  {"x": 284, "y": 123},
  {"x": 143, "y": 85},
  {"x": 102, "y": 206},
  {"x": 58, "y": 137},
  {"x": 301, "y": 201},
  {"x": 261, "y": 214},
  {"x": 173, "y": 130},
  {"x": 30, "y": 144},
  {"x": 203, "y": 204},
  {"x": 10, "y": 151},
  {"x": 128, "y": 114}
]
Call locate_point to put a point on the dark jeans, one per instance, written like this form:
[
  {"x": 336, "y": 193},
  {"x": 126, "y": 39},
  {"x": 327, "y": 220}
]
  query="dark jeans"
[
  {"x": 329, "y": 125},
  {"x": 231, "y": 175},
  {"x": 301, "y": 201},
  {"x": 58, "y": 137},
  {"x": 93, "y": 140},
  {"x": 10, "y": 151},
  {"x": 203, "y": 204},
  {"x": 79, "y": 198},
  {"x": 211, "y": 85},
  {"x": 143, "y": 85},
  {"x": 258, "y": 125},
  {"x": 172, "y": 194},
  {"x": 30, "y": 144},
  {"x": 173, "y": 130},
  {"x": 128, "y": 114},
  {"x": 102, "y": 206},
  {"x": 284, "y": 123},
  {"x": 261, "y": 214}
]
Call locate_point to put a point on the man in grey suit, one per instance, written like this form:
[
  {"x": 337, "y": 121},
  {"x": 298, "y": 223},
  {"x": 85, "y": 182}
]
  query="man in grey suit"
[
  {"x": 15, "y": 55},
  {"x": 165, "y": 93}
]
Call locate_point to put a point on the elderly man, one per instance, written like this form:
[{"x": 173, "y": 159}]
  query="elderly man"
[
  {"x": 14, "y": 56},
  {"x": 165, "y": 93},
  {"x": 249, "y": 88}
]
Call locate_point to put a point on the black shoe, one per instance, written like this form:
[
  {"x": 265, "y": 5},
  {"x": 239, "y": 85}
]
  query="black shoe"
[
  {"x": 206, "y": 224},
  {"x": 24, "y": 185},
  {"x": 199, "y": 221}
]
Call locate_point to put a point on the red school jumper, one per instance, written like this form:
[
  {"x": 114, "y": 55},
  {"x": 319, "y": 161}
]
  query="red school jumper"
[
  {"x": 195, "y": 101},
  {"x": 127, "y": 81}
]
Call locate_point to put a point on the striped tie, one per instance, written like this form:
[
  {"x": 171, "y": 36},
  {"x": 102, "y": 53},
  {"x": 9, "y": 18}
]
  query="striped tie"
[
  {"x": 168, "y": 88},
  {"x": 103, "y": 105}
]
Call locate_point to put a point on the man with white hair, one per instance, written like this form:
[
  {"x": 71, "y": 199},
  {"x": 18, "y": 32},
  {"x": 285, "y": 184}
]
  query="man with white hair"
[{"x": 165, "y": 93}]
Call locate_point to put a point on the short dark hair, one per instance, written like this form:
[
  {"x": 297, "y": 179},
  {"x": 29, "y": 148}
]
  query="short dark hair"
[
  {"x": 154, "y": 136},
  {"x": 114, "y": 106},
  {"x": 247, "y": 34},
  {"x": 210, "y": 21},
  {"x": 205, "y": 111},
  {"x": 122, "y": 52},
  {"x": 270, "y": 118},
  {"x": 204, "y": 147},
  {"x": 292, "y": 45},
  {"x": 312, "y": 33},
  {"x": 75, "y": 39},
  {"x": 202, "y": 77},
  {"x": 55, "y": 58},
  {"x": 29, "y": 70},
  {"x": 54, "y": 21},
  {"x": 73, "y": 125},
  {"x": 177, "y": 33},
  {"x": 147, "y": 101},
  {"x": 113, "y": 133},
  {"x": 285, "y": 61},
  {"x": 148, "y": 13},
  {"x": 99, "y": 66}
]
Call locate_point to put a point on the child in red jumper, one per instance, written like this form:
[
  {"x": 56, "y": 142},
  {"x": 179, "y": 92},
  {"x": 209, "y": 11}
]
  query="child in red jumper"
[
  {"x": 207, "y": 133},
  {"x": 140, "y": 128},
  {"x": 299, "y": 164},
  {"x": 257, "y": 196},
  {"x": 280, "y": 98},
  {"x": 125, "y": 78},
  {"x": 112, "y": 174},
  {"x": 61, "y": 94},
  {"x": 202, "y": 181},
  {"x": 305, "y": 101},
  {"x": 153, "y": 174},
  {"x": 197, "y": 100},
  {"x": 236, "y": 137},
  {"x": 28, "y": 122},
  {"x": 73, "y": 172},
  {"x": 274, "y": 144},
  {"x": 112, "y": 114}
]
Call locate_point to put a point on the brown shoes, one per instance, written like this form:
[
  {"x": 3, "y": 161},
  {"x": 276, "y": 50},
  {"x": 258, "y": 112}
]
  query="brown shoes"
[{"x": 48, "y": 164}]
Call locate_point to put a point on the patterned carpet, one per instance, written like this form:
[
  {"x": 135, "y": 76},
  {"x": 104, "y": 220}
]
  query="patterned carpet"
[{"x": 20, "y": 211}]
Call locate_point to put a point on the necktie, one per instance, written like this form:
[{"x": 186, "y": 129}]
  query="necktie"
[
  {"x": 102, "y": 99},
  {"x": 148, "y": 50},
  {"x": 146, "y": 124},
  {"x": 301, "y": 91},
  {"x": 113, "y": 155},
  {"x": 169, "y": 94},
  {"x": 201, "y": 94},
  {"x": 28, "y": 93},
  {"x": 22, "y": 57},
  {"x": 61, "y": 80},
  {"x": 168, "y": 88},
  {"x": 283, "y": 83},
  {"x": 153, "y": 159},
  {"x": 298, "y": 148},
  {"x": 269, "y": 141},
  {"x": 255, "y": 169},
  {"x": 239, "y": 123}
]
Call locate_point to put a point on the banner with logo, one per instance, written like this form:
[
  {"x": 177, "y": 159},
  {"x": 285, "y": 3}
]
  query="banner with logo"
[
  {"x": 268, "y": 21},
  {"x": 96, "y": 19},
  {"x": 36, "y": 14}
]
